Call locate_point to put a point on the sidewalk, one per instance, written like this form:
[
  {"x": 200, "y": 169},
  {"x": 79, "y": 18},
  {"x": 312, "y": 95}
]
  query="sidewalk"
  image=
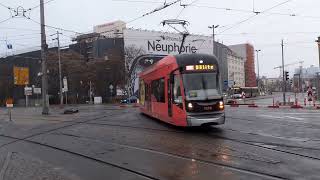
[{"x": 33, "y": 115}]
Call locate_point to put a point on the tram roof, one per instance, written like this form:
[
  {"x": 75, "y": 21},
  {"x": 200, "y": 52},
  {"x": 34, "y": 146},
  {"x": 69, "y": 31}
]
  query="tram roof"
[
  {"x": 181, "y": 60},
  {"x": 188, "y": 59}
]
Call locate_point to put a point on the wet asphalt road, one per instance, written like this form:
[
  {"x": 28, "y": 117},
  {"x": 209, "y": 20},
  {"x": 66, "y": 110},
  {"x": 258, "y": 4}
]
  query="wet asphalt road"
[{"x": 109, "y": 142}]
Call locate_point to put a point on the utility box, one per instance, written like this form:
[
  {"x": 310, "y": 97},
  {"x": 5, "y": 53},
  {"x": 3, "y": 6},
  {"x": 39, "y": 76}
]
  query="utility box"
[{"x": 97, "y": 100}]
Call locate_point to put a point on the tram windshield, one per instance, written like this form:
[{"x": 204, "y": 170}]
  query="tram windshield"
[{"x": 201, "y": 86}]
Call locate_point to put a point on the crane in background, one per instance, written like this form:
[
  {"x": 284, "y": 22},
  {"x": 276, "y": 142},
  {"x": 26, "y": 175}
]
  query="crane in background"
[{"x": 291, "y": 64}]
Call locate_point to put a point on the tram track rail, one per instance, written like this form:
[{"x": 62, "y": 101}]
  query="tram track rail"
[
  {"x": 243, "y": 170},
  {"x": 90, "y": 122},
  {"x": 27, "y": 140},
  {"x": 255, "y": 144}
]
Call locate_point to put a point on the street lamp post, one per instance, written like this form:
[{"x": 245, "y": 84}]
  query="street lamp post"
[
  {"x": 258, "y": 79},
  {"x": 318, "y": 41},
  {"x": 213, "y": 27},
  {"x": 44, "y": 47},
  {"x": 318, "y": 85}
]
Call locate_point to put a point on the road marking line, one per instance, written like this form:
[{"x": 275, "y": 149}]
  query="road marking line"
[
  {"x": 5, "y": 166},
  {"x": 277, "y": 117},
  {"x": 296, "y": 118},
  {"x": 282, "y": 117}
]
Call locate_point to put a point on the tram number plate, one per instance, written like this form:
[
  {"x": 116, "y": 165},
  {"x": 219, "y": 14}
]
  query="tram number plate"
[{"x": 207, "y": 108}]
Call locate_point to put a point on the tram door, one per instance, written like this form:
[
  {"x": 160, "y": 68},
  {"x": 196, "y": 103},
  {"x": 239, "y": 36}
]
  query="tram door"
[
  {"x": 169, "y": 88},
  {"x": 148, "y": 96}
]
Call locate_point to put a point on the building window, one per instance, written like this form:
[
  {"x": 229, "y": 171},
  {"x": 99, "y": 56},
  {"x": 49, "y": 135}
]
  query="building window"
[{"x": 158, "y": 90}]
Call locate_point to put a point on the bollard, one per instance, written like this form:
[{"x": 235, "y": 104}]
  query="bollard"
[
  {"x": 9, "y": 105},
  {"x": 10, "y": 119},
  {"x": 273, "y": 102},
  {"x": 305, "y": 101},
  {"x": 274, "y": 105}
]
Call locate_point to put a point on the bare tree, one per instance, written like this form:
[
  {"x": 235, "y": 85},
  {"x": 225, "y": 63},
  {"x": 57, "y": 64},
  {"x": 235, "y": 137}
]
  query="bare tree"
[{"x": 131, "y": 54}]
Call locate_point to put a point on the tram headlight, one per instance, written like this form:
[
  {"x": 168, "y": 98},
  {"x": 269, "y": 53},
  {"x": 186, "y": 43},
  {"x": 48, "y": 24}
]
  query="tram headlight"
[
  {"x": 190, "y": 106},
  {"x": 221, "y": 105}
]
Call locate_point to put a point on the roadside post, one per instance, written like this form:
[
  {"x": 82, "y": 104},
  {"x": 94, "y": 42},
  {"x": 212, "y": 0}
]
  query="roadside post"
[
  {"x": 65, "y": 88},
  {"x": 27, "y": 93},
  {"x": 37, "y": 91},
  {"x": 111, "y": 91},
  {"x": 9, "y": 104}
]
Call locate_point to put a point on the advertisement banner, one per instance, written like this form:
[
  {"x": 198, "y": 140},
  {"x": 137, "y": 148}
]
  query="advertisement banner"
[{"x": 144, "y": 48}]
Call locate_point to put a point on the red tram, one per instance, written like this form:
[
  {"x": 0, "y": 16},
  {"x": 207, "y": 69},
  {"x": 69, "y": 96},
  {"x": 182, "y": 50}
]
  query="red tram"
[{"x": 183, "y": 90}]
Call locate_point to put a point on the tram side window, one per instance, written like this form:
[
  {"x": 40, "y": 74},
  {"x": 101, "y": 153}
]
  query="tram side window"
[
  {"x": 158, "y": 90},
  {"x": 177, "y": 96}
]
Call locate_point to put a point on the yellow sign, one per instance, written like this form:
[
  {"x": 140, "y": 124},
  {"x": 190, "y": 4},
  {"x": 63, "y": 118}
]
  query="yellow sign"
[
  {"x": 21, "y": 76},
  {"x": 200, "y": 67},
  {"x": 204, "y": 67}
]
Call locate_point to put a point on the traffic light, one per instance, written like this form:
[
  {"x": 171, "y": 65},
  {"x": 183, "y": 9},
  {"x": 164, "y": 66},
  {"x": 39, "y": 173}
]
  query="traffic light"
[
  {"x": 287, "y": 76},
  {"x": 291, "y": 82}
]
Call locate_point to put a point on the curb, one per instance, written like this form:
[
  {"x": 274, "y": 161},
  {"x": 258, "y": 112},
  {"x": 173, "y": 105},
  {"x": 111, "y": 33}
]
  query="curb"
[
  {"x": 274, "y": 107},
  {"x": 253, "y": 106},
  {"x": 234, "y": 105},
  {"x": 296, "y": 107}
]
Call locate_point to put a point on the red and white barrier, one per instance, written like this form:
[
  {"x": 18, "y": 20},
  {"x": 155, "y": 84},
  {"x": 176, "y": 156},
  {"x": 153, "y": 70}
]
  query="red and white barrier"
[
  {"x": 274, "y": 105},
  {"x": 253, "y": 105}
]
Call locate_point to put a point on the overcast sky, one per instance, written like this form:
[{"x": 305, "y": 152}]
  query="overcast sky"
[{"x": 263, "y": 31}]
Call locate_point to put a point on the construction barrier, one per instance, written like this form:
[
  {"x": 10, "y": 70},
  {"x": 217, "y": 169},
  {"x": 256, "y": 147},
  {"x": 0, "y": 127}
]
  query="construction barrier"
[
  {"x": 253, "y": 105},
  {"x": 296, "y": 105},
  {"x": 234, "y": 103},
  {"x": 274, "y": 105},
  {"x": 305, "y": 101}
]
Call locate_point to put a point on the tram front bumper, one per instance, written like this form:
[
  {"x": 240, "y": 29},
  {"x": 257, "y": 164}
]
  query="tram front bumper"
[{"x": 212, "y": 119}]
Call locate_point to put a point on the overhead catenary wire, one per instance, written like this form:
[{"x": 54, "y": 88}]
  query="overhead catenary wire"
[
  {"x": 135, "y": 19},
  {"x": 32, "y": 8},
  {"x": 3, "y": 5},
  {"x": 2, "y": 21},
  {"x": 53, "y": 27},
  {"x": 256, "y": 14}
]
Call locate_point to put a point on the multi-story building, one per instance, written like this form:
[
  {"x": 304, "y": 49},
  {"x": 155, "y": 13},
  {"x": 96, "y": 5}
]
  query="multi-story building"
[
  {"x": 246, "y": 51},
  {"x": 236, "y": 70},
  {"x": 111, "y": 30},
  {"x": 272, "y": 84}
]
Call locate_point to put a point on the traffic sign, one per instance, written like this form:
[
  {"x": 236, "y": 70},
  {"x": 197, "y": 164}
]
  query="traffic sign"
[
  {"x": 9, "y": 103},
  {"x": 28, "y": 91},
  {"x": 65, "y": 84},
  {"x": 37, "y": 90},
  {"x": 21, "y": 76}
]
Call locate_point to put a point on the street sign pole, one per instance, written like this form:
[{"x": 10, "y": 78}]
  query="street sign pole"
[
  {"x": 25, "y": 93},
  {"x": 318, "y": 86},
  {"x": 283, "y": 76}
]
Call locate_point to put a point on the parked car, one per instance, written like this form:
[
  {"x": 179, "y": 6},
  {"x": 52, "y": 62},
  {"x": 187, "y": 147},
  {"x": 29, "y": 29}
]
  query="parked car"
[
  {"x": 236, "y": 96},
  {"x": 132, "y": 99}
]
